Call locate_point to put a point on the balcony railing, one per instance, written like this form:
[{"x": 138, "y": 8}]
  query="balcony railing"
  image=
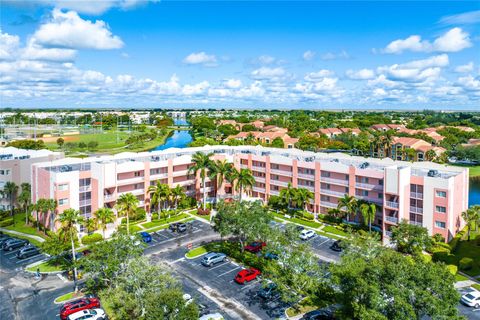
[
  {"x": 368, "y": 186},
  {"x": 274, "y": 192},
  {"x": 311, "y": 188},
  {"x": 306, "y": 176},
  {"x": 259, "y": 179},
  {"x": 416, "y": 209},
  {"x": 184, "y": 182},
  {"x": 328, "y": 204},
  {"x": 180, "y": 173},
  {"x": 391, "y": 219},
  {"x": 258, "y": 169},
  {"x": 260, "y": 189},
  {"x": 335, "y": 181},
  {"x": 416, "y": 223},
  {"x": 331, "y": 192},
  {"x": 281, "y": 172},
  {"x": 83, "y": 203},
  {"x": 392, "y": 204},
  {"x": 279, "y": 183},
  {"x": 107, "y": 197},
  {"x": 161, "y": 175},
  {"x": 85, "y": 188},
  {"x": 416, "y": 195},
  {"x": 370, "y": 199},
  {"x": 131, "y": 180},
  {"x": 136, "y": 192}
]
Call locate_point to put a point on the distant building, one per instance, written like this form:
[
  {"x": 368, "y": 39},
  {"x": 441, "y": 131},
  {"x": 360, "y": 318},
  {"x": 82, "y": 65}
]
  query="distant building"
[
  {"x": 333, "y": 132},
  {"x": 406, "y": 149}
]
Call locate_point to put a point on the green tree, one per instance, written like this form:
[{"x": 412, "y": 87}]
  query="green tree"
[
  {"x": 348, "y": 204},
  {"x": 24, "y": 199},
  {"x": 69, "y": 219},
  {"x": 60, "y": 142},
  {"x": 104, "y": 216},
  {"x": 302, "y": 197},
  {"x": 159, "y": 194},
  {"x": 277, "y": 143},
  {"x": 245, "y": 181},
  {"x": 201, "y": 163},
  {"x": 11, "y": 190},
  {"x": 91, "y": 225},
  {"x": 409, "y": 238},
  {"x": 127, "y": 205},
  {"x": 219, "y": 171},
  {"x": 470, "y": 216},
  {"x": 177, "y": 194},
  {"x": 50, "y": 206},
  {"x": 288, "y": 194},
  {"x": 368, "y": 211}
]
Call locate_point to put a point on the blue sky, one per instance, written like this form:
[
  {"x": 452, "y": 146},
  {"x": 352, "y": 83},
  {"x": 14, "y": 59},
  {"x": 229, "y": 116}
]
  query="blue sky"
[{"x": 339, "y": 54}]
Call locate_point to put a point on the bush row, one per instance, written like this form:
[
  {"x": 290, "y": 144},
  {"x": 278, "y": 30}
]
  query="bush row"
[
  {"x": 6, "y": 222},
  {"x": 91, "y": 238}
]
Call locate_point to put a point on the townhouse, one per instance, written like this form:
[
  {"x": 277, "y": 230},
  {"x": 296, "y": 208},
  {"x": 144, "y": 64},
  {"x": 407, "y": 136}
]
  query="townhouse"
[{"x": 423, "y": 193}]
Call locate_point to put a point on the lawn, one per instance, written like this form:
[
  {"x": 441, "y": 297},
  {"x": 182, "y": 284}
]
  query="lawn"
[
  {"x": 46, "y": 266},
  {"x": 459, "y": 277},
  {"x": 476, "y": 286},
  {"x": 332, "y": 229},
  {"x": 468, "y": 249},
  {"x": 198, "y": 251},
  {"x": 474, "y": 171},
  {"x": 311, "y": 224},
  {"x": 304, "y": 306},
  {"x": 204, "y": 217},
  {"x": 69, "y": 296},
  {"x": 32, "y": 241},
  {"x": 156, "y": 223},
  {"x": 21, "y": 227}
]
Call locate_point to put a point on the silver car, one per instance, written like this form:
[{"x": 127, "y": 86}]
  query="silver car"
[{"x": 212, "y": 258}]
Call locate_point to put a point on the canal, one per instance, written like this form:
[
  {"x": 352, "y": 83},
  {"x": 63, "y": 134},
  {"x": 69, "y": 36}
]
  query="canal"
[
  {"x": 474, "y": 191},
  {"x": 179, "y": 138}
]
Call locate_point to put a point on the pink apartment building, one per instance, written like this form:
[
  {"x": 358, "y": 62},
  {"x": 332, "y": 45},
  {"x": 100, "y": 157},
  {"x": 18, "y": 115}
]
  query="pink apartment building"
[{"x": 423, "y": 193}]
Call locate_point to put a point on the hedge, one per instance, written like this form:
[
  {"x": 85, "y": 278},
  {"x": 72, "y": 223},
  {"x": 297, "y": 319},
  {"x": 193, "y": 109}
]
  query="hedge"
[
  {"x": 91, "y": 238},
  {"x": 440, "y": 254},
  {"x": 454, "y": 243},
  {"x": 452, "y": 268},
  {"x": 466, "y": 263},
  {"x": 6, "y": 222}
]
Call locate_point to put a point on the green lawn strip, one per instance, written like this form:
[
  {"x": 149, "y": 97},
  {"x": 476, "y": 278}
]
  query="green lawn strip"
[
  {"x": 459, "y": 277},
  {"x": 332, "y": 229},
  {"x": 46, "y": 266},
  {"x": 32, "y": 241},
  {"x": 156, "y": 223},
  {"x": 473, "y": 171},
  {"x": 302, "y": 307},
  {"x": 311, "y": 224},
  {"x": 204, "y": 217},
  {"x": 476, "y": 286},
  {"x": 68, "y": 296},
  {"x": 196, "y": 252},
  {"x": 21, "y": 227},
  {"x": 328, "y": 235}
]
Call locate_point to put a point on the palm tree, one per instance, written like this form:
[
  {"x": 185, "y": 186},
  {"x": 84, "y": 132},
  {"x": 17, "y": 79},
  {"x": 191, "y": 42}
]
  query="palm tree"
[
  {"x": 24, "y": 199},
  {"x": 104, "y": 216},
  {"x": 245, "y": 181},
  {"x": 220, "y": 169},
  {"x": 159, "y": 194},
  {"x": 430, "y": 155},
  {"x": 470, "y": 216},
  {"x": 11, "y": 190},
  {"x": 232, "y": 176},
  {"x": 69, "y": 218},
  {"x": 288, "y": 194},
  {"x": 476, "y": 208},
  {"x": 177, "y": 194},
  {"x": 50, "y": 206},
  {"x": 335, "y": 212},
  {"x": 368, "y": 212},
  {"x": 42, "y": 206},
  {"x": 201, "y": 163},
  {"x": 302, "y": 197},
  {"x": 348, "y": 204},
  {"x": 127, "y": 205},
  {"x": 91, "y": 225}
]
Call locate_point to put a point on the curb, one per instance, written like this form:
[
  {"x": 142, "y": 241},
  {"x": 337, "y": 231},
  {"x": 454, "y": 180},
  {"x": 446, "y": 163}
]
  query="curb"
[
  {"x": 191, "y": 258},
  {"x": 39, "y": 263},
  {"x": 66, "y": 301}
]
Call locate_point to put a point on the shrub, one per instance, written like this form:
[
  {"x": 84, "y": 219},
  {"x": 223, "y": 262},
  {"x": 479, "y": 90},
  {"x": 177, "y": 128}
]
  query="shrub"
[
  {"x": 308, "y": 216},
  {"x": 477, "y": 240},
  {"x": 4, "y": 214},
  {"x": 465, "y": 263},
  {"x": 439, "y": 238},
  {"x": 91, "y": 238},
  {"x": 452, "y": 268},
  {"x": 454, "y": 243},
  {"x": 6, "y": 222},
  {"x": 440, "y": 254},
  {"x": 187, "y": 203},
  {"x": 139, "y": 215},
  {"x": 275, "y": 202},
  {"x": 202, "y": 212}
]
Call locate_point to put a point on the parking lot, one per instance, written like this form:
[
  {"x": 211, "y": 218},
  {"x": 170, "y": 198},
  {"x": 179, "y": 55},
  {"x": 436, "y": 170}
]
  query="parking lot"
[
  {"x": 9, "y": 260},
  {"x": 220, "y": 278},
  {"x": 467, "y": 311}
]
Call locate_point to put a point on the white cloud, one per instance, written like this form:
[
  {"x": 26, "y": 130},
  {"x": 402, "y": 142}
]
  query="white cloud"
[
  {"x": 267, "y": 73},
  {"x": 9, "y": 45},
  {"x": 363, "y": 74},
  {"x": 265, "y": 59},
  {"x": 470, "y": 17},
  {"x": 308, "y": 55},
  {"x": 201, "y": 58},
  {"x": 68, "y": 30},
  {"x": 195, "y": 89},
  {"x": 470, "y": 83},
  {"x": 333, "y": 56},
  {"x": 465, "y": 68},
  {"x": 318, "y": 75},
  {"x": 34, "y": 51},
  {"x": 453, "y": 40},
  {"x": 233, "y": 83}
]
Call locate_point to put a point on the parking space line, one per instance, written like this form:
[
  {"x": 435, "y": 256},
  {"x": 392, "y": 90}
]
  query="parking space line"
[
  {"x": 162, "y": 235},
  {"x": 218, "y": 266},
  {"x": 23, "y": 260},
  {"x": 222, "y": 274},
  {"x": 324, "y": 242},
  {"x": 10, "y": 252},
  {"x": 154, "y": 240},
  {"x": 248, "y": 285}
]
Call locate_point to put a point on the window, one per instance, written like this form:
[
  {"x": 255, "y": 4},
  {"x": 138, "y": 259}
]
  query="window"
[
  {"x": 380, "y": 196},
  {"x": 63, "y": 202},
  {"x": 276, "y": 188},
  {"x": 326, "y": 186},
  {"x": 325, "y": 174},
  {"x": 380, "y": 182},
  {"x": 325, "y": 198},
  {"x": 440, "y": 224},
  {"x": 274, "y": 177},
  {"x": 63, "y": 187},
  {"x": 441, "y": 194},
  {"x": 138, "y": 173},
  {"x": 274, "y": 166},
  {"x": 440, "y": 209}
]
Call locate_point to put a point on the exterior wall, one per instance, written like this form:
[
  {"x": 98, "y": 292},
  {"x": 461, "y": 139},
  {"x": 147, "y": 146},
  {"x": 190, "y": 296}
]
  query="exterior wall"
[{"x": 383, "y": 182}]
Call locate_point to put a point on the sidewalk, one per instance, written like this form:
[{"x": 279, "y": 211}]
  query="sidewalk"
[{"x": 37, "y": 238}]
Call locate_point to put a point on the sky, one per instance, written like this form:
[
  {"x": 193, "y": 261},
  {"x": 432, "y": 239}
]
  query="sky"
[{"x": 240, "y": 54}]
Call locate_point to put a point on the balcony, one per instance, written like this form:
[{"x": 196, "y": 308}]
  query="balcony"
[
  {"x": 369, "y": 199},
  {"x": 85, "y": 188},
  {"x": 259, "y": 179},
  {"x": 311, "y": 188},
  {"x": 327, "y": 204},
  {"x": 274, "y": 192},
  {"x": 391, "y": 204},
  {"x": 161, "y": 175},
  {"x": 391, "y": 219},
  {"x": 258, "y": 169},
  {"x": 335, "y": 181},
  {"x": 416, "y": 195},
  {"x": 368, "y": 186},
  {"x": 83, "y": 203},
  {"x": 416, "y": 209},
  {"x": 141, "y": 203},
  {"x": 135, "y": 192},
  {"x": 108, "y": 197},
  {"x": 331, "y": 192},
  {"x": 282, "y": 172},
  {"x": 416, "y": 223},
  {"x": 279, "y": 183},
  {"x": 306, "y": 176},
  {"x": 260, "y": 189},
  {"x": 123, "y": 182},
  {"x": 244, "y": 166},
  {"x": 180, "y": 173},
  {"x": 184, "y": 182}
]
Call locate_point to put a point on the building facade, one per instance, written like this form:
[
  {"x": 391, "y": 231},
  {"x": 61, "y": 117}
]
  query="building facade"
[
  {"x": 424, "y": 193},
  {"x": 15, "y": 166}
]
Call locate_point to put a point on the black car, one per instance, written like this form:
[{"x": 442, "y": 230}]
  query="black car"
[
  {"x": 4, "y": 239},
  {"x": 270, "y": 292},
  {"x": 27, "y": 251},
  {"x": 337, "y": 246},
  {"x": 182, "y": 227},
  {"x": 173, "y": 227},
  {"x": 11, "y": 244},
  {"x": 323, "y": 314}
]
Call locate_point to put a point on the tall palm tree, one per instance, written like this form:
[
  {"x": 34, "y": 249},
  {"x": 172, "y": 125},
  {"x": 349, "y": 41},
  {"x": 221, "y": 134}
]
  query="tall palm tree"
[
  {"x": 476, "y": 208},
  {"x": 288, "y": 194},
  {"x": 11, "y": 190},
  {"x": 232, "y": 176},
  {"x": 245, "y": 181},
  {"x": 24, "y": 199},
  {"x": 470, "y": 216},
  {"x": 159, "y": 194},
  {"x": 368, "y": 212},
  {"x": 104, "y": 216},
  {"x": 302, "y": 197},
  {"x": 201, "y": 163},
  {"x": 38, "y": 209},
  {"x": 50, "y": 206},
  {"x": 348, "y": 204},
  {"x": 91, "y": 225},
  {"x": 127, "y": 205},
  {"x": 220, "y": 169},
  {"x": 335, "y": 212},
  {"x": 177, "y": 194},
  {"x": 69, "y": 218},
  {"x": 41, "y": 207}
]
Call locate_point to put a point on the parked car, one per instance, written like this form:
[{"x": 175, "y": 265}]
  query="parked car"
[
  {"x": 146, "y": 237},
  {"x": 11, "y": 244},
  {"x": 92, "y": 314},
  {"x": 307, "y": 234},
  {"x": 27, "y": 251},
  {"x": 471, "y": 299},
  {"x": 269, "y": 292},
  {"x": 173, "y": 226},
  {"x": 337, "y": 246},
  {"x": 4, "y": 239},
  {"x": 212, "y": 258},
  {"x": 255, "y": 247},
  {"x": 75, "y": 306},
  {"x": 182, "y": 227},
  {"x": 247, "y": 275},
  {"x": 212, "y": 316},
  {"x": 271, "y": 256},
  {"x": 323, "y": 314}
]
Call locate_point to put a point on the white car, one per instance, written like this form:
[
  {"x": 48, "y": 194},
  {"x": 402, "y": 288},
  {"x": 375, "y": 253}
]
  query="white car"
[
  {"x": 307, "y": 234},
  {"x": 90, "y": 314},
  {"x": 212, "y": 316},
  {"x": 472, "y": 299}
]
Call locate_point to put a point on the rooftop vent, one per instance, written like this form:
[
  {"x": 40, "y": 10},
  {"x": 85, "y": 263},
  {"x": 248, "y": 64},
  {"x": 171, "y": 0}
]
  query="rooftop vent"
[
  {"x": 364, "y": 165},
  {"x": 433, "y": 173}
]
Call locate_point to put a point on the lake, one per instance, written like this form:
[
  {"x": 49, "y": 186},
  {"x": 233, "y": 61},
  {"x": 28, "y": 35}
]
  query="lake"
[
  {"x": 180, "y": 122},
  {"x": 474, "y": 192}
]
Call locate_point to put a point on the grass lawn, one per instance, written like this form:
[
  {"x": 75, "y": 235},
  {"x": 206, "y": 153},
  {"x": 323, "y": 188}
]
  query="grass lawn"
[
  {"x": 21, "y": 227},
  {"x": 468, "y": 249},
  {"x": 459, "y": 277},
  {"x": 133, "y": 228},
  {"x": 302, "y": 307},
  {"x": 198, "y": 251},
  {"x": 474, "y": 171},
  {"x": 69, "y": 296},
  {"x": 156, "y": 223},
  {"x": 32, "y": 241},
  {"x": 204, "y": 217},
  {"x": 311, "y": 224},
  {"x": 46, "y": 266},
  {"x": 476, "y": 286},
  {"x": 332, "y": 229}
]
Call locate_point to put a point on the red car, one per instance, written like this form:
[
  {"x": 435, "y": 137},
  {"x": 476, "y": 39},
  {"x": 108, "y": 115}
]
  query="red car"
[
  {"x": 78, "y": 305},
  {"x": 255, "y": 247},
  {"x": 247, "y": 275}
]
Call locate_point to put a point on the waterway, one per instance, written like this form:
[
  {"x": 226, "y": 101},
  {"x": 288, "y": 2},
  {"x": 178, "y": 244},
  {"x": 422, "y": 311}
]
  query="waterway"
[
  {"x": 179, "y": 138},
  {"x": 474, "y": 192}
]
